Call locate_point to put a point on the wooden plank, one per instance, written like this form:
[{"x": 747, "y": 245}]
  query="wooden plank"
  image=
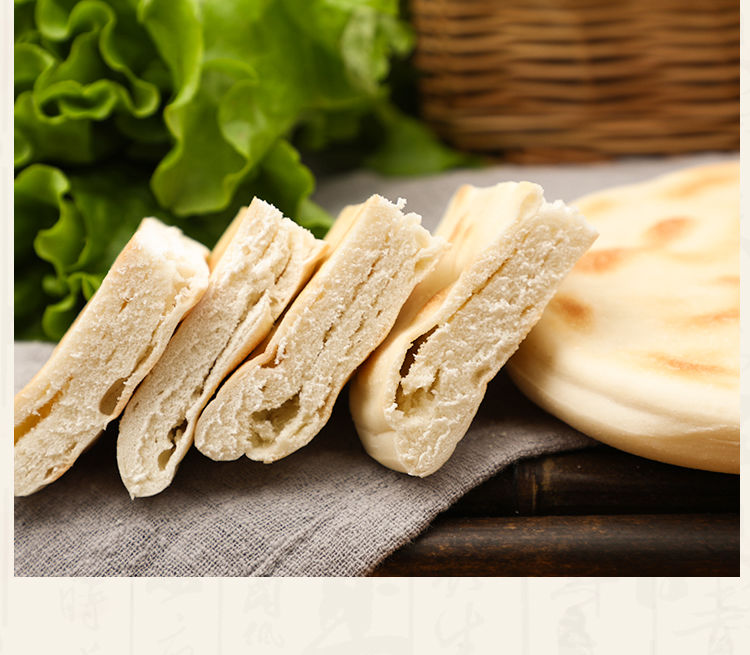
[
  {"x": 641, "y": 545},
  {"x": 600, "y": 480}
]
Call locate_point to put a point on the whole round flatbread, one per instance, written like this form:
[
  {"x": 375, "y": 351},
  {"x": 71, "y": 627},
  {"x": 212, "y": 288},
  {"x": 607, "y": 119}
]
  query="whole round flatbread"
[{"x": 640, "y": 346}]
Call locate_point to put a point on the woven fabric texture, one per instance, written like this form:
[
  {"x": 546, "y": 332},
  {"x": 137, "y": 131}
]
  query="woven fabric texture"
[{"x": 326, "y": 510}]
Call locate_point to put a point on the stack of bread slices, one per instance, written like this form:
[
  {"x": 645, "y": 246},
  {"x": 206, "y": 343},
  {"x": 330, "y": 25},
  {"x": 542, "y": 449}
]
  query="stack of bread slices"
[{"x": 244, "y": 350}]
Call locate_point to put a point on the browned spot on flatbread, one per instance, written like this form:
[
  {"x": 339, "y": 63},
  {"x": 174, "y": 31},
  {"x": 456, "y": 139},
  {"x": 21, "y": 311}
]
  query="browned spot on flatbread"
[
  {"x": 667, "y": 230},
  {"x": 461, "y": 229},
  {"x": 686, "y": 367},
  {"x": 463, "y": 191},
  {"x": 572, "y": 311},
  {"x": 434, "y": 303},
  {"x": 601, "y": 261},
  {"x": 728, "y": 279},
  {"x": 702, "y": 180},
  {"x": 715, "y": 317},
  {"x": 596, "y": 206}
]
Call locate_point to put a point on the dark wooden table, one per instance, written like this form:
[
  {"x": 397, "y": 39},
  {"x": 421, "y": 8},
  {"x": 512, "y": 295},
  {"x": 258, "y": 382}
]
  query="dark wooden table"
[{"x": 593, "y": 512}]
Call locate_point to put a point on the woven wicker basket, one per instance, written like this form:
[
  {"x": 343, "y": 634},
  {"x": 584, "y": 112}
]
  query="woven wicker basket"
[{"x": 562, "y": 80}]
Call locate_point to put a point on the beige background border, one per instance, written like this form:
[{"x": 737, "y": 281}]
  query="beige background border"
[{"x": 211, "y": 616}]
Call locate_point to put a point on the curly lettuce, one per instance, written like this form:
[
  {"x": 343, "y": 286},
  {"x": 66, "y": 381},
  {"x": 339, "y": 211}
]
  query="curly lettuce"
[{"x": 184, "y": 109}]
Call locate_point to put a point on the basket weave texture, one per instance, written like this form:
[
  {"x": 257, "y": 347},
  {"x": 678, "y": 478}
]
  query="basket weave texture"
[{"x": 566, "y": 80}]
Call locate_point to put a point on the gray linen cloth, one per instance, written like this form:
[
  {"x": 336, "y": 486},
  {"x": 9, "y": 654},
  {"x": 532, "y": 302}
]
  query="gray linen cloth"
[{"x": 326, "y": 510}]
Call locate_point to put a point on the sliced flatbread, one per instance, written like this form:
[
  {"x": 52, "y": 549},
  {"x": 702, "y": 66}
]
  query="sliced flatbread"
[
  {"x": 260, "y": 266},
  {"x": 111, "y": 346},
  {"x": 640, "y": 347},
  {"x": 416, "y": 395},
  {"x": 278, "y": 400}
]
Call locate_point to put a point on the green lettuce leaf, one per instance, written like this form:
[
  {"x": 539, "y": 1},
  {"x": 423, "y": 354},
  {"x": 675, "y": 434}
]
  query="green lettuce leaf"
[
  {"x": 184, "y": 110},
  {"x": 409, "y": 148},
  {"x": 75, "y": 225}
]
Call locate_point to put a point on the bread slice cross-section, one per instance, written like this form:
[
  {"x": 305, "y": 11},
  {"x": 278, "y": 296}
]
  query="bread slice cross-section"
[
  {"x": 112, "y": 345},
  {"x": 279, "y": 399},
  {"x": 416, "y": 395},
  {"x": 259, "y": 266}
]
